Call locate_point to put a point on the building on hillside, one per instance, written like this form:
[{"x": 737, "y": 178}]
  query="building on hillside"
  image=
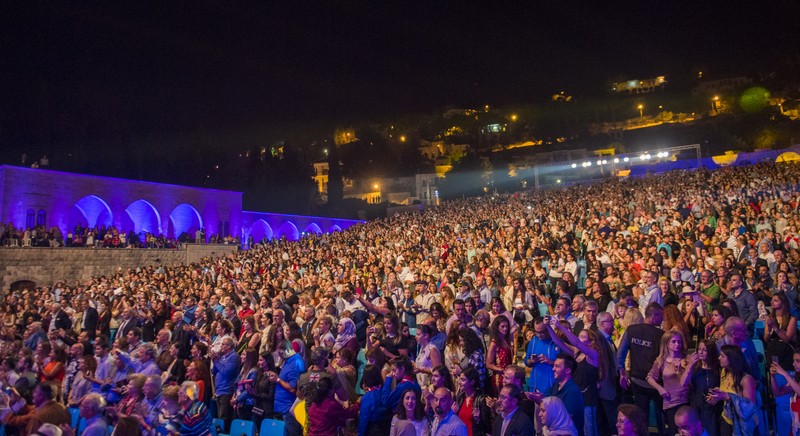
[
  {"x": 721, "y": 86},
  {"x": 639, "y": 86},
  {"x": 420, "y": 188}
]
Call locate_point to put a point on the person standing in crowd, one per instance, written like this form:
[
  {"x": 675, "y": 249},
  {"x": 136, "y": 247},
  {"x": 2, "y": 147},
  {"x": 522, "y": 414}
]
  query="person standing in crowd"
[
  {"x": 242, "y": 401},
  {"x": 471, "y": 405},
  {"x": 792, "y": 387},
  {"x": 428, "y": 356},
  {"x": 565, "y": 389},
  {"x": 539, "y": 356},
  {"x": 500, "y": 351},
  {"x": 399, "y": 379},
  {"x": 446, "y": 422},
  {"x": 326, "y": 413},
  {"x": 286, "y": 384},
  {"x": 736, "y": 334},
  {"x": 346, "y": 336},
  {"x": 607, "y": 390},
  {"x": 670, "y": 375},
  {"x": 373, "y": 415},
  {"x": 705, "y": 376},
  {"x": 738, "y": 393},
  {"x": 409, "y": 419},
  {"x": 511, "y": 420},
  {"x": 744, "y": 299},
  {"x": 642, "y": 340},
  {"x": 225, "y": 369}
]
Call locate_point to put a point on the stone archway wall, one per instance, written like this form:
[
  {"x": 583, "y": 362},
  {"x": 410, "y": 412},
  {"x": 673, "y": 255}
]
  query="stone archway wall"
[{"x": 45, "y": 266}]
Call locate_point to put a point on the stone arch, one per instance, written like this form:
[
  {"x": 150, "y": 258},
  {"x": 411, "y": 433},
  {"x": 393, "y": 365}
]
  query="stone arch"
[
  {"x": 142, "y": 216},
  {"x": 23, "y": 284},
  {"x": 313, "y": 228},
  {"x": 260, "y": 230},
  {"x": 185, "y": 218},
  {"x": 91, "y": 211},
  {"x": 335, "y": 228},
  {"x": 289, "y": 230}
]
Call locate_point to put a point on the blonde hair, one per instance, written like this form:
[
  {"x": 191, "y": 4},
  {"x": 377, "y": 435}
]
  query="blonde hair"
[
  {"x": 632, "y": 317},
  {"x": 664, "y": 347}
]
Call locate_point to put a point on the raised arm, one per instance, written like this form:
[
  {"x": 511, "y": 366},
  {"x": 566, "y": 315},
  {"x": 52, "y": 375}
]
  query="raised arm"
[
  {"x": 590, "y": 352},
  {"x": 569, "y": 349}
]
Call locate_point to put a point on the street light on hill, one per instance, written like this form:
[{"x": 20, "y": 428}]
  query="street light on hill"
[{"x": 641, "y": 111}]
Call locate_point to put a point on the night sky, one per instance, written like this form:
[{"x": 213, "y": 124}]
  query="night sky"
[{"x": 79, "y": 71}]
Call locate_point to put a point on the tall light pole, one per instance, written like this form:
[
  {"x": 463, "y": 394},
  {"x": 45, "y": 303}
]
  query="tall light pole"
[
  {"x": 714, "y": 102},
  {"x": 641, "y": 112}
]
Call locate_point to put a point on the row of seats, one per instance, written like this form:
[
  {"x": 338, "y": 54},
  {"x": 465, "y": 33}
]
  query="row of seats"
[
  {"x": 80, "y": 423},
  {"x": 241, "y": 427}
]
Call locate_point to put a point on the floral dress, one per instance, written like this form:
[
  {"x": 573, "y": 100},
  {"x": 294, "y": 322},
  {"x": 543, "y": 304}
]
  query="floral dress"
[{"x": 502, "y": 360}]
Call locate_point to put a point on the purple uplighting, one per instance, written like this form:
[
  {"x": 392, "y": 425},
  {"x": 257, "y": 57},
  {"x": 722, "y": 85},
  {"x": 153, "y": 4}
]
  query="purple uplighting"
[{"x": 64, "y": 200}]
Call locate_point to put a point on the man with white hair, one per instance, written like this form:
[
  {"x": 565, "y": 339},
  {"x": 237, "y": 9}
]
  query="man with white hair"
[
  {"x": 59, "y": 319},
  {"x": 145, "y": 362},
  {"x": 163, "y": 342},
  {"x": 91, "y": 409},
  {"x": 225, "y": 370},
  {"x": 152, "y": 400}
]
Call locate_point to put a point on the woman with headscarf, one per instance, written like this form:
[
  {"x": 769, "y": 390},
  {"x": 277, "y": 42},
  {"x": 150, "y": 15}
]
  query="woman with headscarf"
[
  {"x": 347, "y": 336},
  {"x": 555, "y": 419}
]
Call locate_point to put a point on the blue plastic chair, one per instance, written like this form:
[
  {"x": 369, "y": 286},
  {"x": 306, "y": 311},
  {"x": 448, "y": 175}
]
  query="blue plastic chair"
[
  {"x": 240, "y": 427},
  {"x": 360, "y": 391},
  {"x": 75, "y": 414},
  {"x": 758, "y": 332},
  {"x": 762, "y": 358},
  {"x": 271, "y": 427}
]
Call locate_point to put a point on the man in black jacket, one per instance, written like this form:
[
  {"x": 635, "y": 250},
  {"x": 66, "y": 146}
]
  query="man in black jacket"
[
  {"x": 512, "y": 421},
  {"x": 309, "y": 319},
  {"x": 59, "y": 319},
  {"x": 90, "y": 318},
  {"x": 129, "y": 321},
  {"x": 515, "y": 375},
  {"x": 643, "y": 341}
]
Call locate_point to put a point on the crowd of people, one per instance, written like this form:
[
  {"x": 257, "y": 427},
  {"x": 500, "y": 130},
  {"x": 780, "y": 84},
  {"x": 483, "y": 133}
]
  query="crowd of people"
[
  {"x": 100, "y": 237},
  {"x": 559, "y": 312}
]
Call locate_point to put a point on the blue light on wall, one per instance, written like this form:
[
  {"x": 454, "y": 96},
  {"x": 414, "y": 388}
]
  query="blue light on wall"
[
  {"x": 313, "y": 228},
  {"x": 144, "y": 217},
  {"x": 288, "y": 230},
  {"x": 261, "y": 230},
  {"x": 92, "y": 211},
  {"x": 185, "y": 218}
]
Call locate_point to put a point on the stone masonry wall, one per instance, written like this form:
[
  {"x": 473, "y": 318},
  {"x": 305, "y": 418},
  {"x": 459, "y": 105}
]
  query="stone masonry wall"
[{"x": 44, "y": 266}]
